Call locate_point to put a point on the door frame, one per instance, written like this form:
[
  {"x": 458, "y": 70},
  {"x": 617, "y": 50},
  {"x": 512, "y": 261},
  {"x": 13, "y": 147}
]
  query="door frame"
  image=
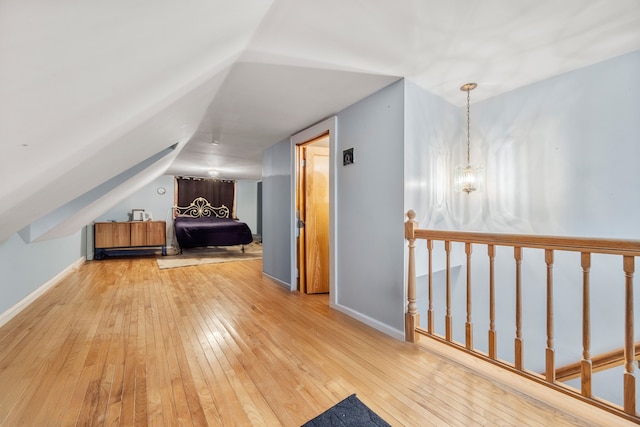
[{"x": 329, "y": 125}]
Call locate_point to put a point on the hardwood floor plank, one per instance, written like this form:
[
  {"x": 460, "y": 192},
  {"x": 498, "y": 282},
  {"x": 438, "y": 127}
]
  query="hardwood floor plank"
[
  {"x": 125, "y": 307},
  {"x": 155, "y": 370},
  {"x": 140, "y": 362},
  {"x": 173, "y": 344},
  {"x": 236, "y": 379},
  {"x": 230, "y": 380},
  {"x": 121, "y": 343},
  {"x": 161, "y": 404},
  {"x": 192, "y": 376},
  {"x": 59, "y": 356},
  {"x": 262, "y": 368}
]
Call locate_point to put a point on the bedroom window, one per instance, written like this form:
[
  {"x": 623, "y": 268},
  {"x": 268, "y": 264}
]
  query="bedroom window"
[{"x": 218, "y": 192}]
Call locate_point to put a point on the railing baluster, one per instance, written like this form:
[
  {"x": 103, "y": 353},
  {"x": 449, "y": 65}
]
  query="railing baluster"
[
  {"x": 430, "y": 324},
  {"x": 448, "y": 319},
  {"x": 412, "y": 318},
  {"x": 491, "y": 250},
  {"x": 629, "y": 376},
  {"x": 468, "y": 326},
  {"x": 517, "y": 254},
  {"x": 550, "y": 352},
  {"x": 586, "y": 364}
]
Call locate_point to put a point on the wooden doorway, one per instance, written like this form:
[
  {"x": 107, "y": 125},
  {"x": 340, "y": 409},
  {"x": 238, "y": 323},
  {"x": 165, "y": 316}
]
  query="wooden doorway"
[{"x": 312, "y": 212}]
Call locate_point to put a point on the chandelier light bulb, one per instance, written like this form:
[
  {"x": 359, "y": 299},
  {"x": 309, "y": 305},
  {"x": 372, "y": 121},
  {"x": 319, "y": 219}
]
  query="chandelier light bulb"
[{"x": 468, "y": 178}]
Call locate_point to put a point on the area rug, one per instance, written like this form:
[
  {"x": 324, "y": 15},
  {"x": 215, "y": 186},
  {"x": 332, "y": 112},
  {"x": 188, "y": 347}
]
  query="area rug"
[
  {"x": 210, "y": 255},
  {"x": 350, "y": 412}
]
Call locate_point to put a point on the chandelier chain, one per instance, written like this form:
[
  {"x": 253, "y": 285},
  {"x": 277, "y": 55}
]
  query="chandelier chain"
[{"x": 468, "y": 130}]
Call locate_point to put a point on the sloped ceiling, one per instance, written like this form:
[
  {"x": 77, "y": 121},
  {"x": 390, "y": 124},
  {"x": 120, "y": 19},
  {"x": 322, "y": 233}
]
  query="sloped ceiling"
[{"x": 89, "y": 90}]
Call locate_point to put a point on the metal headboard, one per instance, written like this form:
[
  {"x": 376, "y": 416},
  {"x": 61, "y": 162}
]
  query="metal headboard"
[{"x": 200, "y": 207}]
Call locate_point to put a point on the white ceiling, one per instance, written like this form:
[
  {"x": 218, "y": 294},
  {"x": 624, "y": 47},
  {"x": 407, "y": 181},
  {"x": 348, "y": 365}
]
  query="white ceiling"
[
  {"x": 89, "y": 89},
  {"x": 308, "y": 59}
]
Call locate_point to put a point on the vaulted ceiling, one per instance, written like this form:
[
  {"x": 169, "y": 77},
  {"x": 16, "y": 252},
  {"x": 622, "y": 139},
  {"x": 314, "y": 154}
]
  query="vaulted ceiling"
[{"x": 90, "y": 91}]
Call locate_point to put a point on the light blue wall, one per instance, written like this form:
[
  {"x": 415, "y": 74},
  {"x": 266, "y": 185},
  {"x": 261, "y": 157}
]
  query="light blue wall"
[
  {"x": 160, "y": 205},
  {"x": 368, "y": 205},
  {"x": 247, "y": 203},
  {"x": 276, "y": 211},
  {"x": 146, "y": 198},
  {"x": 562, "y": 154},
  {"x": 370, "y": 208},
  {"x": 432, "y": 137},
  {"x": 560, "y": 158},
  {"x": 25, "y": 267},
  {"x": 559, "y": 155}
]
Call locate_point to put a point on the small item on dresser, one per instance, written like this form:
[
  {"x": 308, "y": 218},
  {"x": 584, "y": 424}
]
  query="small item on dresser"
[{"x": 137, "y": 214}]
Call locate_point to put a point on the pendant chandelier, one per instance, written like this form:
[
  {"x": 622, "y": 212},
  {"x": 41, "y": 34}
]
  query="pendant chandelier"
[{"x": 468, "y": 178}]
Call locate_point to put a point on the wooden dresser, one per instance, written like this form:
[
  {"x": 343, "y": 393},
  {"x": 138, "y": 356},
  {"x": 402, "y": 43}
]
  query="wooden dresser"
[{"x": 131, "y": 237}]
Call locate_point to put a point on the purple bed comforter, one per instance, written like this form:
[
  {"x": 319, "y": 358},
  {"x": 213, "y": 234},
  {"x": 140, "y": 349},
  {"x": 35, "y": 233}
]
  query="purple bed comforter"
[{"x": 207, "y": 231}]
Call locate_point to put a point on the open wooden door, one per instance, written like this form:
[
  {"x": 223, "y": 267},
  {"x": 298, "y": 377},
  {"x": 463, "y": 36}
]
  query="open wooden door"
[{"x": 313, "y": 218}]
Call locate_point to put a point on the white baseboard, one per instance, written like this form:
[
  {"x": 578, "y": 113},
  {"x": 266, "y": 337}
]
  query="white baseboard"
[
  {"x": 24, "y": 303},
  {"x": 278, "y": 281},
  {"x": 382, "y": 327}
]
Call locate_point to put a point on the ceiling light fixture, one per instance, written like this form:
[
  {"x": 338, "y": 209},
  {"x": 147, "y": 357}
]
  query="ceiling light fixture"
[{"x": 467, "y": 177}]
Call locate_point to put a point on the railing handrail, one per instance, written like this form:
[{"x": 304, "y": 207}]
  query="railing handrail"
[
  {"x": 585, "y": 246},
  {"x": 573, "y": 244},
  {"x": 600, "y": 362}
]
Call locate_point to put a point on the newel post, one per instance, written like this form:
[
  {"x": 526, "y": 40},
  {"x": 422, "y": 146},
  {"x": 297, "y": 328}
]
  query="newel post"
[{"x": 412, "y": 318}]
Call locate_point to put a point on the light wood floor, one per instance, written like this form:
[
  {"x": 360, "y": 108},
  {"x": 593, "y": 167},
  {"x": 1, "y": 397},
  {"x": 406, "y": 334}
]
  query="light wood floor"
[{"x": 120, "y": 342}]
